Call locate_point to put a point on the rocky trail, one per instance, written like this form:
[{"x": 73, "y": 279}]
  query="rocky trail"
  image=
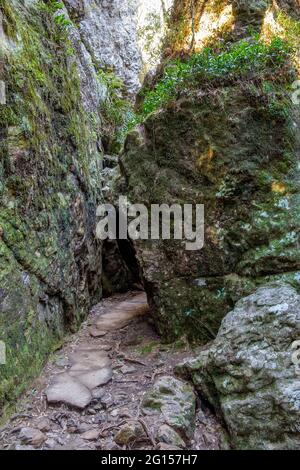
[{"x": 112, "y": 386}]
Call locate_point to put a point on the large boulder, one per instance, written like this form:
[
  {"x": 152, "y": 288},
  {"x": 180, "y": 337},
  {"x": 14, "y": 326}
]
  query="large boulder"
[
  {"x": 228, "y": 140},
  {"x": 249, "y": 373}
]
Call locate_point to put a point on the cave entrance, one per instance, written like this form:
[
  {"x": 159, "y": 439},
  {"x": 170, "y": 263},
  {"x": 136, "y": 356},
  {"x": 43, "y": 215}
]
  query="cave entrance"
[{"x": 120, "y": 271}]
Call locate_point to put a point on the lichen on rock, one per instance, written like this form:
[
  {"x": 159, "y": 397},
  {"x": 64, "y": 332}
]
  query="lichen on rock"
[
  {"x": 50, "y": 270},
  {"x": 172, "y": 401},
  {"x": 248, "y": 373},
  {"x": 225, "y": 134}
]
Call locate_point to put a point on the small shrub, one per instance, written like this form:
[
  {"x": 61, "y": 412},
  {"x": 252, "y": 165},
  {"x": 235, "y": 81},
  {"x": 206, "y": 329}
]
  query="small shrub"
[
  {"x": 117, "y": 110},
  {"x": 232, "y": 61}
]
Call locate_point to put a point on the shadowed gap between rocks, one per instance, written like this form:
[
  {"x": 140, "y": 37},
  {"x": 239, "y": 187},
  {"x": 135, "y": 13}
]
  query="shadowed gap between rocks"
[{"x": 121, "y": 270}]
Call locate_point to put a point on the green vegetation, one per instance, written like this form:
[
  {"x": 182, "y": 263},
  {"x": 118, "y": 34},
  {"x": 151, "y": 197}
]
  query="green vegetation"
[
  {"x": 233, "y": 62},
  {"x": 291, "y": 28},
  {"x": 227, "y": 62},
  {"x": 60, "y": 19},
  {"x": 148, "y": 348},
  {"x": 117, "y": 110}
]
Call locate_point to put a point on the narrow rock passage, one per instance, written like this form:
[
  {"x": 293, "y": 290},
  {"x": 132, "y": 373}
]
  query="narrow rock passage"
[
  {"x": 112, "y": 386},
  {"x": 91, "y": 366}
]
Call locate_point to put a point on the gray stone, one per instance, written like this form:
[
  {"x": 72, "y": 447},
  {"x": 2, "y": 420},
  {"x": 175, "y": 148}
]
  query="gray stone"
[
  {"x": 98, "y": 393},
  {"x": 128, "y": 370},
  {"x": 248, "y": 373},
  {"x": 62, "y": 362},
  {"x": 175, "y": 400},
  {"x": 68, "y": 390},
  {"x": 121, "y": 36},
  {"x": 32, "y": 437},
  {"x": 128, "y": 433},
  {"x": 107, "y": 401},
  {"x": 91, "y": 435},
  {"x": 83, "y": 427},
  {"x": 91, "y": 367},
  {"x": 50, "y": 443},
  {"x": 88, "y": 358},
  {"x": 43, "y": 424},
  {"x": 167, "y": 435},
  {"x": 92, "y": 378},
  {"x": 95, "y": 333}
]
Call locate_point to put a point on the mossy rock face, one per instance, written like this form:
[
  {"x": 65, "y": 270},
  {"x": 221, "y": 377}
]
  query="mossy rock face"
[
  {"x": 232, "y": 145},
  {"x": 250, "y": 372},
  {"x": 174, "y": 402},
  {"x": 50, "y": 264}
]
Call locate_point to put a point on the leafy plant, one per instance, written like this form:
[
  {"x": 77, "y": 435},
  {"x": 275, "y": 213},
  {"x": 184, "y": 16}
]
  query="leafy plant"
[
  {"x": 61, "y": 20},
  {"x": 233, "y": 61},
  {"x": 117, "y": 110}
]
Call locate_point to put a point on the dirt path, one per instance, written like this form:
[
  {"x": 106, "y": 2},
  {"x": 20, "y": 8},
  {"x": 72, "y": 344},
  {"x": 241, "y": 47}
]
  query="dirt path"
[{"x": 91, "y": 394}]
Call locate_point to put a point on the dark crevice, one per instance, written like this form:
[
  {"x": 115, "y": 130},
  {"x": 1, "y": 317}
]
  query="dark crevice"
[
  {"x": 121, "y": 271},
  {"x": 120, "y": 267},
  {"x": 128, "y": 254}
]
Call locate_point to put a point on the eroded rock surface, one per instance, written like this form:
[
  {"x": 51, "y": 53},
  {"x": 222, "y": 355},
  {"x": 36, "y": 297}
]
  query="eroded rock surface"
[
  {"x": 31, "y": 436},
  {"x": 52, "y": 61},
  {"x": 175, "y": 401},
  {"x": 129, "y": 433},
  {"x": 50, "y": 260},
  {"x": 248, "y": 373},
  {"x": 122, "y": 36},
  {"x": 232, "y": 145},
  {"x": 65, "y": 389}
]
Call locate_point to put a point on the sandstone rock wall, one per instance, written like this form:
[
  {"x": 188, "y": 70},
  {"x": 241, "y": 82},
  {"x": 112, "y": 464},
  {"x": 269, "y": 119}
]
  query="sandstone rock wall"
[{"x": 50, "y": 262}]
